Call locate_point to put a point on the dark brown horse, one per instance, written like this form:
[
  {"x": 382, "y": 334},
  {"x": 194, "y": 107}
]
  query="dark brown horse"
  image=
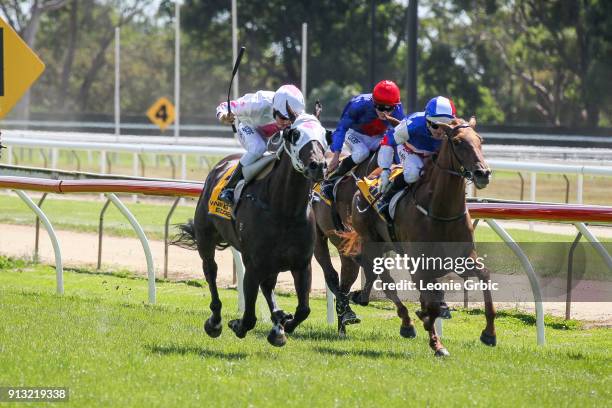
[
  {"x": 340, "y": 209},
  {"x": 273, "y": 229},
  {"x": 432, "y": 211}
]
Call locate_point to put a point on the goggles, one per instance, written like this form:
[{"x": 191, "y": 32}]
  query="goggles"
[{"x": 384, "y": 108}]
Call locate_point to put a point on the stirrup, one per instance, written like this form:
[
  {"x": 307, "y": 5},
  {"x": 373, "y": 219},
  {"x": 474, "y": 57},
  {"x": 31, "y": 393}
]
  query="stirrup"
[
  {"x": 327, "y": 189},
  {"x": 227, "y": 196}
]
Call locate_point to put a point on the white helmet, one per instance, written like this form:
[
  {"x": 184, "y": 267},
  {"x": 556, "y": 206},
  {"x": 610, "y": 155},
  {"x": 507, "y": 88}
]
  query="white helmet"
[{"x": 291, "y": 95}]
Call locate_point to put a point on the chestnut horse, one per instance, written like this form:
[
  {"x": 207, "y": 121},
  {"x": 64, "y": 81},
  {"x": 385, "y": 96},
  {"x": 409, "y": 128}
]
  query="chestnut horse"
[
  {"x": 273, "y": 228},
  {"x": 432, "y": 211}
]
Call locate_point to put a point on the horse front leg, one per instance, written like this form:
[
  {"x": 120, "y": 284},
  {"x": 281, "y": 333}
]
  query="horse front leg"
[
  {"x": 276, "y": 337},
  {"x": 430, "y": 301},
  {"x": 488, "y": 335},
  {"x": 302, "y": 279},
  {"x": 407, "y": 329},
  {"x": 249, "y": 318}
]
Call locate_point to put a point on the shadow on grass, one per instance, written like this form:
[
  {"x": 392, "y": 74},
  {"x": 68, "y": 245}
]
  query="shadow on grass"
[
  {"x": 176, "y": 349},
  {"x": 330, "y": 335},
  {"x": 360, "y": 353},
  {"x": 553, "y": 322}
]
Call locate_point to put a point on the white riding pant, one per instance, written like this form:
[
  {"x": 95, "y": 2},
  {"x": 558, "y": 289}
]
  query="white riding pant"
[
  {"x": 361, "y": 145},
  {"x": 254, "y": 143},
  {"x": 411, "y": 162}
]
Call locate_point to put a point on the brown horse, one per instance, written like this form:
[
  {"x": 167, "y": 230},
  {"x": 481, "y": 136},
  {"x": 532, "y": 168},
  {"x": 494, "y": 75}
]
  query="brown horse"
[
  {"x": 432, "y": 211},
  {"x": 340, "y": 209},
  {"x": 273, "y": 228}
]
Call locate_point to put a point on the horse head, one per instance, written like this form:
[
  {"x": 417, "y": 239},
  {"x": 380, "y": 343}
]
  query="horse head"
[
  {"x": 305, "y": 143},
  {"x": 465, "y": 146}
]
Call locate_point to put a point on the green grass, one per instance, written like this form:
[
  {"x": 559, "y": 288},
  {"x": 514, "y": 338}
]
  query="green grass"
[{"x": 111, "y": 349}]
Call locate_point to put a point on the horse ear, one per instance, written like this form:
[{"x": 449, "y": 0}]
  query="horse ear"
[
  {"x": 318, "y": 109},
  {"x": 290, "y": 112},
  {"x": 472, "y": 122}
]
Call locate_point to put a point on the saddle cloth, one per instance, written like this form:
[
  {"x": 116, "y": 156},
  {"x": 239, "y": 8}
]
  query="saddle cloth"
[
  {"x": 257, "y": 170},
  {"x": 215, "y": 206}
]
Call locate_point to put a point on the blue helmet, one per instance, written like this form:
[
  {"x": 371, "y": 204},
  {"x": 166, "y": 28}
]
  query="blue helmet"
[{"x": 440, "y": 110}]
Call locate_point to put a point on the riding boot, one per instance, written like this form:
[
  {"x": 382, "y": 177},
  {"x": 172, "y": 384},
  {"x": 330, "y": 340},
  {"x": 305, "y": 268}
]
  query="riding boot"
[
  {"x": 327, "y": 186},
  {"x": 383, "y": 205},
  {"x": 227, "y": 194}
]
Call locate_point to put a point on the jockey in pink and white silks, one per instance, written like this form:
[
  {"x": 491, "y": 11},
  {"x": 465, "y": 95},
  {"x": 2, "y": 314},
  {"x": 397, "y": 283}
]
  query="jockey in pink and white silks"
[
  {"x": 416, "y": 137},
  {"x": 260, "y": 115}
]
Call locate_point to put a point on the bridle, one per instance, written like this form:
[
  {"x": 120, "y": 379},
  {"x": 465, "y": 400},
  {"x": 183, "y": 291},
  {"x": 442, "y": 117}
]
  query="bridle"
[{"x": 462, "y": 171}]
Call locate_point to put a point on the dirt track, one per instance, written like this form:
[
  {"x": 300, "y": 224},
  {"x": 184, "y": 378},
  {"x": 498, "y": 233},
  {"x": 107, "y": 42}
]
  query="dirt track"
[{"x": 80, "y": 249}]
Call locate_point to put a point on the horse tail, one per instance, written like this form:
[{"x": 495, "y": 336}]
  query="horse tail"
[
  {"x": 351, "y": 243},
  {"x": 186, "y": 236}
]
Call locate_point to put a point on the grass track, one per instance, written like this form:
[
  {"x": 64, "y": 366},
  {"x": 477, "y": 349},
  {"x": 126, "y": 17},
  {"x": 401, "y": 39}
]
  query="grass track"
[{"x": 111, "y": 349}]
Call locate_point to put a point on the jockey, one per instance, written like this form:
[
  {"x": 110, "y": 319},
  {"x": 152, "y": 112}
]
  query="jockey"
[
  {"x": 260, "y": 115},
  {"x": 363, "y": 124},
  {"x": 416, "y": 137}
]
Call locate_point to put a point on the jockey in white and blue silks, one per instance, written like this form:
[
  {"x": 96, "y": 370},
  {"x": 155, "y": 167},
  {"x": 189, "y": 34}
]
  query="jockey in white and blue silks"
[
  {"x": 260, "y": 115},
  {"x": 362, "y": 125},
  {"x": 416, "y": 137}
]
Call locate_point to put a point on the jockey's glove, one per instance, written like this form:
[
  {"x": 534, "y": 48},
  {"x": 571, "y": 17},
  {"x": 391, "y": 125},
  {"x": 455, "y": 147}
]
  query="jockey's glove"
[{"x": 227, "y": 118}]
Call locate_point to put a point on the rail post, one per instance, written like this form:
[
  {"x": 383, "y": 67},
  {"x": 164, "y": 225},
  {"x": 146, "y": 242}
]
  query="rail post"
[
  {"x": 37, "y": 237},
  {"x": 166, "y": 233},
  {"x": 101, "y": 232},
  {"x": 59, "y": 268}
]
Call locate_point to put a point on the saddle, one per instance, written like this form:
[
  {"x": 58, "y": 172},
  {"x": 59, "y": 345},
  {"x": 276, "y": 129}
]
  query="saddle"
[
  {"x": 369, "y": 187},
  {"x": 256, "y": 171}
]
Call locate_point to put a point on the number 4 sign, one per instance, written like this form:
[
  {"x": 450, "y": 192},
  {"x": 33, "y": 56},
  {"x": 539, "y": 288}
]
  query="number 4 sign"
[
  {"x": 19, "y": 68},
  {"x": 161, "y": 113}
]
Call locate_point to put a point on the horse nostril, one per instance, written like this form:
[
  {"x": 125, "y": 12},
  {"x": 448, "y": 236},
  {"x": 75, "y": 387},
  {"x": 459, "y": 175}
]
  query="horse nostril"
[
  {"x": 482, "y": 173},
  {"x": 313, "y": 165}
]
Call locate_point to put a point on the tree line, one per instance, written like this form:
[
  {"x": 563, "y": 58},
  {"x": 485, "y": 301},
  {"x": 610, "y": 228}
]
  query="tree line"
[{"x": 507, "y": 61}]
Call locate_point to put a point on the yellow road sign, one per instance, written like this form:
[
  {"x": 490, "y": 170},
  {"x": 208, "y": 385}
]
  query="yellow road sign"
[
  {"x": 19, "y": 68},
  {"x": 161, "y": 113}
]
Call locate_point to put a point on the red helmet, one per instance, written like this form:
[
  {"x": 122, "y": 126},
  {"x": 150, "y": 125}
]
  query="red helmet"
[{"x": 386, "y": 93}]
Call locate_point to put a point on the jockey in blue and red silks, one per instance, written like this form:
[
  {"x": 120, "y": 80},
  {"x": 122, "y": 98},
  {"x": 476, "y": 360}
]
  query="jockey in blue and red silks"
[
  {"x": 362, "y": 125},
  {"x": 415, "y": 138}
]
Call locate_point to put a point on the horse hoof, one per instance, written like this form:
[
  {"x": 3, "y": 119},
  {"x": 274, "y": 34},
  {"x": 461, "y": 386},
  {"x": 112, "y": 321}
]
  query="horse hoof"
[
  {"x": 289, "y": 326},
  {"x": 445, "y": 313},
  {"x": 443, "y": 352},
  {"x": 236, "y": 328},
  {"x": 489, "y": 340},
  {"x": 408, "y": 332},
  {"x": 213, "y": 330},
  {"x": 355, "y": 297},
  {"x": 276, "y": 338},
  {"x": 349, "y": 317}
]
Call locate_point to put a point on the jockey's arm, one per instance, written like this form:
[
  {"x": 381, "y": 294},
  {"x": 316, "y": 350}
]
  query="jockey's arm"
[
  {"x": 346, "y": 121},
  {"x": 250, "y": 106}
]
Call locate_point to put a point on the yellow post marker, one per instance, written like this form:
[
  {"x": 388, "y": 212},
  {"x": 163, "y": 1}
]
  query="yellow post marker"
[
  {"x": 161, "y": 113},
  {"x": 19, "y": 68}
]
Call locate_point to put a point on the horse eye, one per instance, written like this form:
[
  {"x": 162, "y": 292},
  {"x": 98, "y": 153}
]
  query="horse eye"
[
  {"x": 295, "y": 136},
  {"x": 457, "y": 141}
]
